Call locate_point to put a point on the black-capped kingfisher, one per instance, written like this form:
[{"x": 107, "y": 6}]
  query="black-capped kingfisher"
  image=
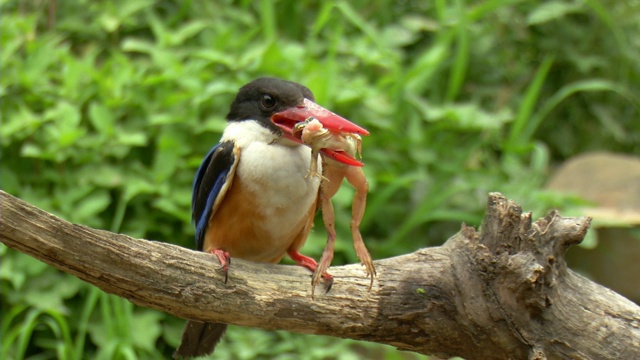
[{"x": 252, "y": 198}]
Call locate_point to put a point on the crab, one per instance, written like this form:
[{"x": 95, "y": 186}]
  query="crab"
[{"x": 339, "y": 150}]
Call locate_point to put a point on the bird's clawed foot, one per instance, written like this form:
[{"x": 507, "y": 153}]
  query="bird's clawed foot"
[
  {"x": 327, "y": 280},
  {"x": 225, "y": 261}
]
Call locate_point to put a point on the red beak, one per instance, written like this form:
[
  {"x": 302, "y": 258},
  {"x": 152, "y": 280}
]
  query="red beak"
[{"x": 287, "y": 119}]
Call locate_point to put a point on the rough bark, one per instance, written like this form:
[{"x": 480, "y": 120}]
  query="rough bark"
[{"x": 502, "y": 293}]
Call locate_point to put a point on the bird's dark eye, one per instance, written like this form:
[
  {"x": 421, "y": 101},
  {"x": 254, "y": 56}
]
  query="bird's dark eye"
[{"x": 268, "y": 102}]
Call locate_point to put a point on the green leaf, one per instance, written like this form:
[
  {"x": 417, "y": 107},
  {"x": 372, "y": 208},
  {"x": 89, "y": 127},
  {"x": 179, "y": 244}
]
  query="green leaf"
[
  {"x": 22, "y": 123},
  {"x": 136, "y": 186},
  {"x": 91, "y": 206},
  {"x": 132, "y": 138},
  {"x": 146, "y": 329},
  {"x": 188, "y": 30},
  {"x": 552, "y": 10},
  {"x": 587, "y": 85},
  {"x": 426, "y": 65},
  {"x": 137, "y": 45},
  {"x": 464, "y": 116},
  {"x": 101, "y": 118},
  {"x": 518, "y": 137},
  {"x": 65, "y": 126},
  {"x": 109, "y": 22}
]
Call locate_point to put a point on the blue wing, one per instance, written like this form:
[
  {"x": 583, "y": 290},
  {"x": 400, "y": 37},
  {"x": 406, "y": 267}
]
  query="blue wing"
[{"x": 212, "y": 180}]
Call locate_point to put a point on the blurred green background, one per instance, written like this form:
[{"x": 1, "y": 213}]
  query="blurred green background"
[{"x": 109, "y": 106}]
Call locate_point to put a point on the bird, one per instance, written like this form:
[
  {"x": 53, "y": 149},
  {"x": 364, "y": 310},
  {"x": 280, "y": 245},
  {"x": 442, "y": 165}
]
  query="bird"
[{"x": 252, "y": 198}]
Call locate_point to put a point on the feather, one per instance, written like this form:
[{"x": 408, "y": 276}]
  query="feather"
[{"x": 213, "y": 179}]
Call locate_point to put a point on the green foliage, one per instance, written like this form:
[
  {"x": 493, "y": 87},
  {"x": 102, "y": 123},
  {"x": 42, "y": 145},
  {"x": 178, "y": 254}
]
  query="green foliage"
[{"x": 108, "y": 108}]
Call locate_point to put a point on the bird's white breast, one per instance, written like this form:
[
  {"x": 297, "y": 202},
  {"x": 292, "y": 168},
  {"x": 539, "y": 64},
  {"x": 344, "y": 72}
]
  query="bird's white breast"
[{"x": 275, "y": 170}]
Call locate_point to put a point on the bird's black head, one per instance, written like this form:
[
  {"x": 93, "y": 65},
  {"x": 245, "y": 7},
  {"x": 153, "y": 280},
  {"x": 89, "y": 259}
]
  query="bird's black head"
[
  {"x": 263, "y": 97},
  {"x": 279, "y": 105}
]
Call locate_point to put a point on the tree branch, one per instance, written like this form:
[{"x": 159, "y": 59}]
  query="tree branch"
[{"x": 505, "y": 292}]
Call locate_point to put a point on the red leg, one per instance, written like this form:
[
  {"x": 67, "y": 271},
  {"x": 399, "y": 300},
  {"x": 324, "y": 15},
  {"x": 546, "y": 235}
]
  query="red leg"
[
  {"x": 224, "y": 259},
  {"x": 310, "y": 264}
]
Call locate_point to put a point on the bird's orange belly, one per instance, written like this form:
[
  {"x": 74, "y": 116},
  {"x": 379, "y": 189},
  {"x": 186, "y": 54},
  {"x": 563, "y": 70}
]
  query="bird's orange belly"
[{"x": 249, "y": 232}]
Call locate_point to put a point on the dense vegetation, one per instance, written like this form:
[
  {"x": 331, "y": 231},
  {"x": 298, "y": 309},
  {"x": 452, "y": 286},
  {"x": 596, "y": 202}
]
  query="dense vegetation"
[{"x": 109, "y": 106}]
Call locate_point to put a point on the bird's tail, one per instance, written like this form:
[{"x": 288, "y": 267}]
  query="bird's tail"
[{"x": 199, "y": 339}]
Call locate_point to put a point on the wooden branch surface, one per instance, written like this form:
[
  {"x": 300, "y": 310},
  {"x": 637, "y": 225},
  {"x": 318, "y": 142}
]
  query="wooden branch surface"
[{"x": 502, "y": 293}]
